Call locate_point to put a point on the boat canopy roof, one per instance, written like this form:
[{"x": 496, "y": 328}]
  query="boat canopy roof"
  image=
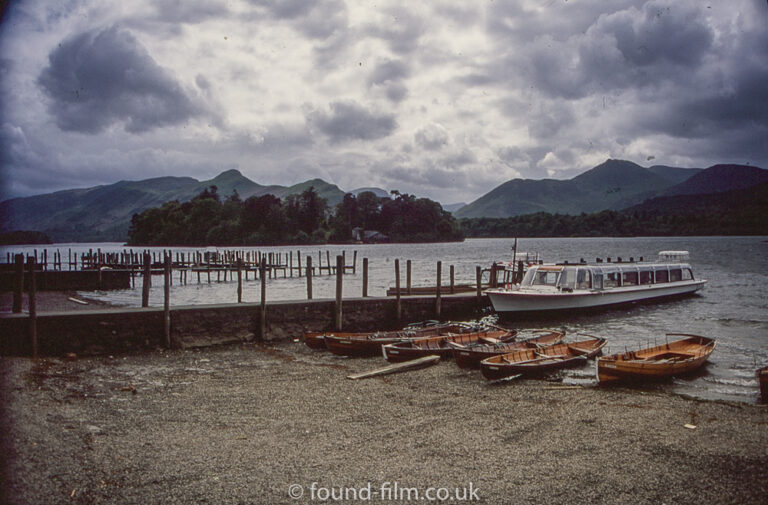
[
  {"x": 610, "y": 267},
  {"x": 673, "y": 256}
]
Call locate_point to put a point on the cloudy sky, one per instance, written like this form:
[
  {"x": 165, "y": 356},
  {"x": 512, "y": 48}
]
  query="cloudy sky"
[{"x": 443, "y": 99}]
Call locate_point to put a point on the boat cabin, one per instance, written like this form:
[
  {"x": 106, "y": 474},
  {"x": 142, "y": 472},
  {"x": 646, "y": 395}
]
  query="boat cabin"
[{"x": 581, "y": 277}]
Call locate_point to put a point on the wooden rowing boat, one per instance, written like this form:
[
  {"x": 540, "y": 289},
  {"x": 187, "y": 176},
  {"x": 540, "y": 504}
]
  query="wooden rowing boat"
[
  {"x": 470, "y": 356},
  {"x": 441, "y": 345},
  {"x": 316, "y": 339},
  {"x": 762, "y": 379},
  {"x": 658, "y": 362},
  {"x": 369, "y": 344},
  {"x": 535, "y": 361}
]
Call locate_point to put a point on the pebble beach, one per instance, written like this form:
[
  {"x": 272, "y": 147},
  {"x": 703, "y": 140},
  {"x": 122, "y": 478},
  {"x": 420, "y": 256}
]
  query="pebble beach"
[{"x": 283, "y": 424}]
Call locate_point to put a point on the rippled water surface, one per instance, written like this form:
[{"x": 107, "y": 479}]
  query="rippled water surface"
[{"x": 731, "y": 308}]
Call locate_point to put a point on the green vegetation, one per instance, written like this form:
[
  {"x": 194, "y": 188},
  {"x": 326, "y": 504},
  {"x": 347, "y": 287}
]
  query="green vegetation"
[
  {"x": 738, "y": 212},
  {"x": 297, "y": 219},
  {"x": 24, "y": 237}
]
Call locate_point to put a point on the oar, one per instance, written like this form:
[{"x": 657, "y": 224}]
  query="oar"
[{"x": 505, "y": 379}]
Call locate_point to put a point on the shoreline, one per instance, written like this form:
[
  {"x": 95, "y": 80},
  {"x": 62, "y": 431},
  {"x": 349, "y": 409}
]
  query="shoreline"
[
  {"x": 243, "y": 423},
  {"x": 54, "y": 301}
]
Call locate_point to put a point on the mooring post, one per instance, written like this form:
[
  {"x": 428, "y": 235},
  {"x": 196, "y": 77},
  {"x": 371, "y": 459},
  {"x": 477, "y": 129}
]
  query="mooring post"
[
  {"x": 167, "y": 301},
  {"x": 365, "y": 277},
  {"x": 354, "y": 262},
  {"x": 290, "y": 262},
  {"x": 453, "y": 284},
  {"x": 398, "y": 308},
  {"x": 263, "y": 301},
  {"x": 328, "y": 261},
  {"x": 339, "y": 285},
  {"x": 309, "y": 277},
  {"x": 408, "y": 277},
  {"x": 438, "y": 290},
  {"x": 147, "y": 280},
  {"x": 239, "y": 280},
  {"x": 32, "y": 306},
  {"x": 18, "y": 282},
  {"x": 479, "y": 280},
  {"x": 298, "y": 261}
]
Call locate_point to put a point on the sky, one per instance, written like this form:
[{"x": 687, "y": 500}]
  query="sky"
[{"x": 442, "y": 99}]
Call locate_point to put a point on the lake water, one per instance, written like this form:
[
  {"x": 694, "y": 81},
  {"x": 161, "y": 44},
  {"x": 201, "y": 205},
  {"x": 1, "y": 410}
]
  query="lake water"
[{"x": 731, "y": 308}]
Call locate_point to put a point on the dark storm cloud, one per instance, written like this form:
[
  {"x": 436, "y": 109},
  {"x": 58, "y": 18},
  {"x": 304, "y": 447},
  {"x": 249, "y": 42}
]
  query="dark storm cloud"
[
  {"x": 348, "y": 120},
  {"x": 391, "y": 70},
  {"x": 189, "y": 11},
  {"x": 388, "y": 76},
  {"x": 100, "y": 78},
  {"x": 624, "y": 47},
  {"x": 400, "y": 29},
  {"x": 431, "y": 137},
  {"x": 317, "y": 19}
]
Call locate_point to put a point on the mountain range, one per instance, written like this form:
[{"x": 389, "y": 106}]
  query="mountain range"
[
  {"x": 613, "y": 185},
  {"x": 103, "y": 213}
]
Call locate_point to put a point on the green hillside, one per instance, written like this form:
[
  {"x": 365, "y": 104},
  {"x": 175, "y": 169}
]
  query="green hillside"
[
  {"x": 103, "y": 213},
  {"x": 614, "y": 184}
]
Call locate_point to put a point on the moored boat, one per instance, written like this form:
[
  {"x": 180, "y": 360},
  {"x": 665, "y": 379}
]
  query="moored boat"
[
  {"x": 535, "y": 361},
  {"x": 470, "y": 356},
  {"x": 369, "y": 344},
  {"x": 568, "y": 286},
  {"x": 316, "y": 339},
  {"x": 762, "y": 379},
  {"x": 658, "y": 362},
  {"x": 441, "y": 345}
]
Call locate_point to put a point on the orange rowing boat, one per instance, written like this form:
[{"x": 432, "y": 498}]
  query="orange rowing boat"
[{"x": 672, "y": 358}]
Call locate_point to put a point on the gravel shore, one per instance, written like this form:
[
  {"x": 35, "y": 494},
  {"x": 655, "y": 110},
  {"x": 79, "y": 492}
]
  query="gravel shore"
[{"x": 242, "y": 424}]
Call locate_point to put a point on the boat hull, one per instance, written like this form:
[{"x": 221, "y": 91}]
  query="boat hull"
[
  {"x": 511, "y": 301},
  {"x": 441, "y": 346},
  {"x": 470, "y": 357},
  {"x": 540, "y": 361},
  {"x": 656, "y": 363},
  {"x": 762, "y": 379},
  {"x": 314, "y": 340},
  {"x": 369, "y": 343}
]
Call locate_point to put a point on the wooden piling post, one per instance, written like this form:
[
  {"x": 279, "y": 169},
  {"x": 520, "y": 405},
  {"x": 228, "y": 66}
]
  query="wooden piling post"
[
  {"x": 438, "y": 294},
  {"x": 167, "y": 301},
  {"x": 290, "y": 262},
  {"x": 398, "y": 307},
  {"x": 354, "y": 263},
  {"x": 147, "y": 280},
  {"x": 18, "y": 282},
  {"x": 365, "y": 277},
  {"x": 479, "y": 279},
  {"x": 298, "y": 261},
  {"x": 328, "y": 261},
  {"x": 239, "y": 280},
  {"x": 32, "y": 306},
  {"x": 263, "y": 300},
  {"x": 453, "y": 284},
  {"x": 309, "y": 277},
  {"x": 339, "y": 286},
  {"x": 408, "y": 277}
]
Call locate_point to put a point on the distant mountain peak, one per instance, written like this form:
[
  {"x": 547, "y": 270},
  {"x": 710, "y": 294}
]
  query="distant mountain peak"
[{"x": 232, "y": 172}]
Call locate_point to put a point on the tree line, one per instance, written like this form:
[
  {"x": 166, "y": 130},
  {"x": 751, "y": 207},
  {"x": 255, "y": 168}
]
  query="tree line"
[
  {"x": 609, "y": 223},
  {"x": 735, "y": 212},
  {"x": 304, "y": 218}
]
